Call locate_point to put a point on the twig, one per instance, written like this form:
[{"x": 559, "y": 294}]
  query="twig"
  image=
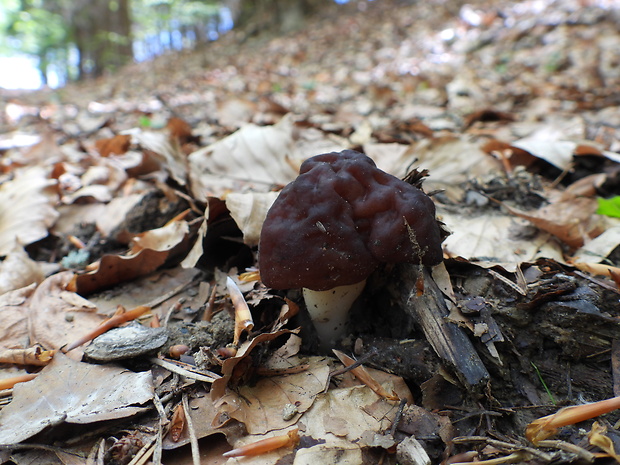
[
  {"x": 600, "y": 282},
  {"x": 515, "y": 457},
  {"x": 504, "y": 445},
  {"x": 175, "y": 368},
  {"x": 173, "y": 308},
  {"x": 363, "y": 359},
  {"x": 193, "y": 440},
  {"x": 163, "y": 420},
  {"x": 22, "y": 446},
  {"x": 101, "y": 452},
  {"x": 397, "y": 418},
  {"x": 568, "y": 447},
  {"x": 507, "y": 281},
  {"x": 360, "y": 361}
]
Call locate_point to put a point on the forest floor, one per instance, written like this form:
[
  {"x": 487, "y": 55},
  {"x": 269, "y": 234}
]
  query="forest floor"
[{"x": 141, "y": 195}]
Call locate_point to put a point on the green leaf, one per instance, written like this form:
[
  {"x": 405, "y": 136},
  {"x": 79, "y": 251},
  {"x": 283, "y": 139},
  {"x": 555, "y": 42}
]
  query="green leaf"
[
  {"x": 144, "y": 121},
  {"x": 609, "y": 207}
]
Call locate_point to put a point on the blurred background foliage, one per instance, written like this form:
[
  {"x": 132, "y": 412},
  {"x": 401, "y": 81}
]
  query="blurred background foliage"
[{"x": 76, "y": 39}]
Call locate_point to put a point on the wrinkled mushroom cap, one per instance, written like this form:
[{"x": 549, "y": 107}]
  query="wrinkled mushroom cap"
[{"x": 339, "y": 219}]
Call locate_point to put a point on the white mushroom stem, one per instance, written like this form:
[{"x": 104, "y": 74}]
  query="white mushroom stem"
[{"x": 329, "y": 311}]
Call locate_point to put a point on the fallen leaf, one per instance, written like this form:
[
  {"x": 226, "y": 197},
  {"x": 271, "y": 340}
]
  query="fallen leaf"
[
  {"x": 26, "y": 209},
  {"x": 113, "y": 145},
  {"x": 572, "y": 221},
  {"x": 261, "y": 407},
  {"x": 219, "y": 386},
  {"x": 115, "y": 269},
  {"x": 57, "y": 317},
  {"x": 14, "y": 317},
  {"x": 162, "y": 239},
  {"x": 256, "y": 157},
  {"x": 609, "y": 207},
  {"x": 597, "y": 437},
  {"x": 497, "y": 239},
  {"x": 249, "y": 211},
  {"x": 165, "y": 150},
  {"x": 18, "y": 270},
  {"x": 599, "y": 248},
  {"x": 73, "y": 392}
]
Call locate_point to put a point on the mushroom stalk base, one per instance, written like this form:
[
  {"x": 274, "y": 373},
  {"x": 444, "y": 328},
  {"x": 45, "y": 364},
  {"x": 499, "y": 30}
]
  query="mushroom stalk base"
[{"x": 329, "y": 311}]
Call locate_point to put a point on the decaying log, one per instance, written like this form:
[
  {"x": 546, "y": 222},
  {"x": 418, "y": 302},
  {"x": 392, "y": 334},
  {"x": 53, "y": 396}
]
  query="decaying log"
[{"x": 449, "y": 341}]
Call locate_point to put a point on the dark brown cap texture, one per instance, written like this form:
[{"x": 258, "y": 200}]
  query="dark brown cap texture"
[{"x": 339, "y": 219}]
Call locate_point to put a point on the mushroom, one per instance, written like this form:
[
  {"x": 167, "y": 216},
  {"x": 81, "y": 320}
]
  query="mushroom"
[{"x": 330, "y": 228}]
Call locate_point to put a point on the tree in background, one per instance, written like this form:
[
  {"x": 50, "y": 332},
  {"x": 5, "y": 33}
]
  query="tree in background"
[
  {"x": 101, "y": 32},
  {"x": 80, "y": 39},
  {"x": 274, "y": 15},
  {"x": 34, "y": 31}
]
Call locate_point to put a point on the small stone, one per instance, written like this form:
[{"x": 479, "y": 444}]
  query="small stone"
[
  {"x": 289, "y": 411},
  {"x": 133, "y": 340}
]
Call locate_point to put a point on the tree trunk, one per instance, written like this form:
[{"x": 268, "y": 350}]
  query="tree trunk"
[
  {"x": 274, "y": 15},
  {"x": 102, "y": 34}
]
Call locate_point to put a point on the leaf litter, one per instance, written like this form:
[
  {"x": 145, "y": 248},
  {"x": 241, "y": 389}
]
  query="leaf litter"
[{"x": 510, "y": 108}]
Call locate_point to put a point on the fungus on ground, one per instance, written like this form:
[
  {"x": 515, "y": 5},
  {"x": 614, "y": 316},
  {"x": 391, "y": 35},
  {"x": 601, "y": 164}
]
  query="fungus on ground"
[{"x": 331, "y": 227}]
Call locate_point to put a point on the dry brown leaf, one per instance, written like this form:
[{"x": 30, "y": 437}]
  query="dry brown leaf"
[
  {"x": 14, "y": 317},
  {"x": 554, "y": 142},
  {"x": 228, "y": 367},
  {"x": 162, "y": 239},
  {"x": 584, "y": 187},
  {"x": 177, "y": 423},
  {"x": 114, "y": 145},
  {"x": 57, "y": 318},
  {"x": 17, "y": 270},
  {"x": 166, "y": 151},
  {"x": 117, "y": 210},
  {"x": 266, "y": 402},
  {"x": 116, "y": 269},
  {"x": 597, "y": 437},
  {"x": 253, "y": 157},
  {"x": 572, "y": 221},
  {"x": 46, "y": 151},
  {"x": 31, "y": 356},
  {"x": 249, "y": 211},
  {"x": 179, "y": 129},
  {"x": 450, "y": 161},
  {"x": 600, "y": 247},
  {"x": 342, "y": 420},
  {"x": 94, "y": 193},
  {"x": 73, "y": 392},
  {"x": 312, "y": 141},
  {"x": 235, "y": 112},
  {"x": 514, "y": 156},
  {"x": 496, "y": 239},
  {"x": 486, "y": 115},
  {"x": 26, "y": 209},
  {"x": 391, "y": 158},
  {"x": 365, "y": 377}
]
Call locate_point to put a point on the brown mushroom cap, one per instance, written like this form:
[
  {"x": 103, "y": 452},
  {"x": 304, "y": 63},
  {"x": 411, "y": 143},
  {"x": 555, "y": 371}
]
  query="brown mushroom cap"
[{"x": 339, "y": 219}]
